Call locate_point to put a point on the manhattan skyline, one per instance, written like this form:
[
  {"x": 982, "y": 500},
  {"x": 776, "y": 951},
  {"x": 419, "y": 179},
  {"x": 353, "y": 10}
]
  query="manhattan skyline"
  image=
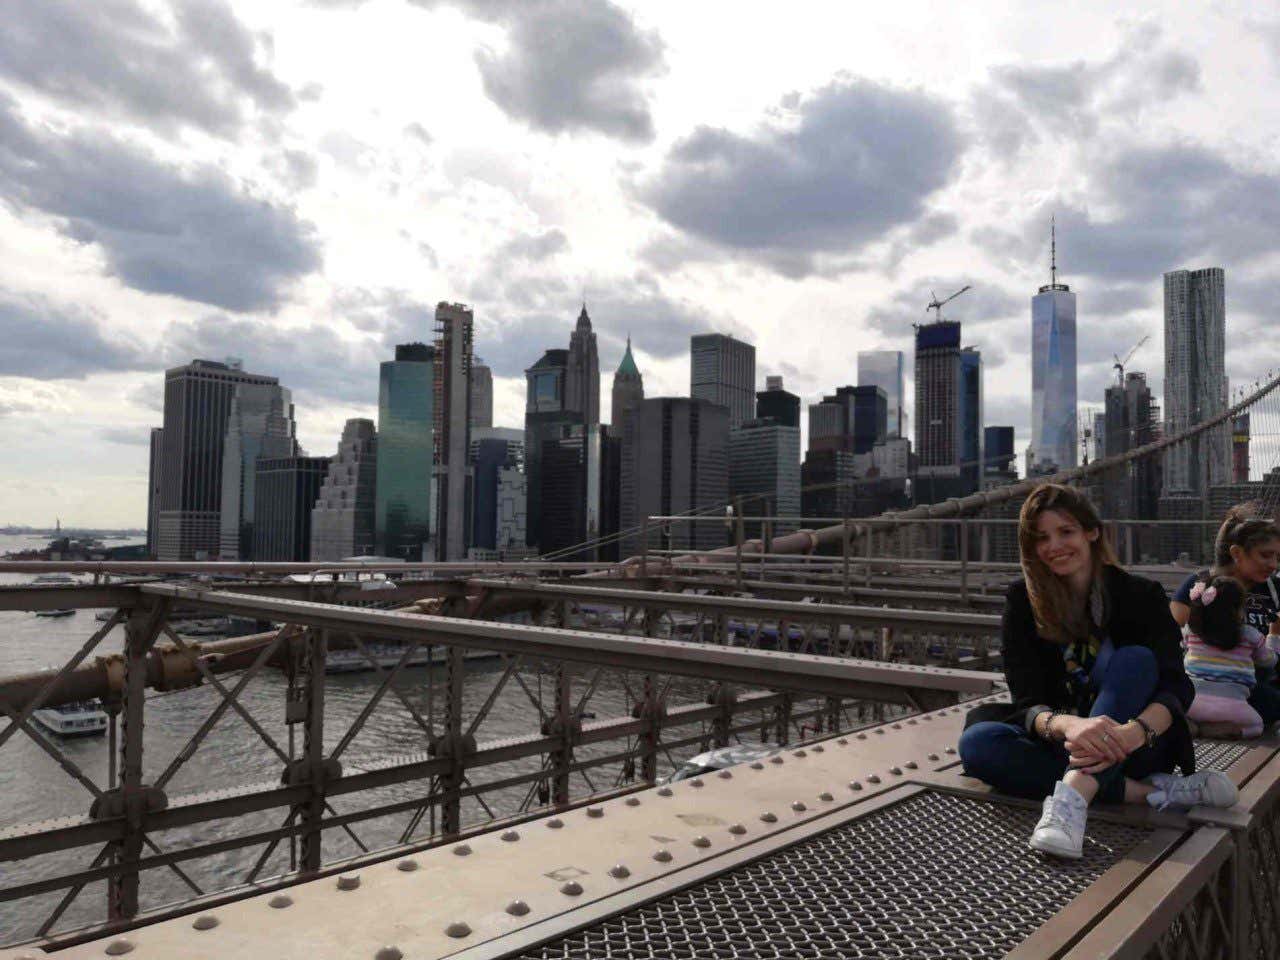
[{"x": 198, "y": 193}]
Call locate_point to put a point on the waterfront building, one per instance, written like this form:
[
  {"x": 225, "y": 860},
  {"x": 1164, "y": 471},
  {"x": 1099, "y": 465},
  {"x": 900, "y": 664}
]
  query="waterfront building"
[
  {"x": 155, "y": 464},
  {"x": 259, "y": 424},
  {"x": 1130, "y": 491},
  {"x": 884, "y": 369},
  {"x": 998, "y": 454},
  {"x": 722, "y": 370},
  {"x": 582, "y": 372},
  {"x": 405, "y": 452},
  {"x": 764, "y": 472},
  {"x": 828, "y": 483},
  {"x": 948, "y": 413},
  {"x": 1053, "y": 374},
  {"x": 452, "y": 419},
  {"x": 569, "y": 499},
  {"x": 197, "y": 403},
  {"x": 854, "y": 419},
  {"x": 342, "y": 521},
  {"x": 481, "y": 396},
  {"x": 628, "y": 388},
  {"x": 286, "y": 491},
  {"x": 545, "y": 418},
  {"x": 1195, "y": 381},
  {"x": 498, "y": 496},
  {"x": 892, "y": 458},
  {"x": 776, "y": 404}
]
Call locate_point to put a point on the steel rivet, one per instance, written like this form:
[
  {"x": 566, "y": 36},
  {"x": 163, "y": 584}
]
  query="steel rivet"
[
  {"x": 280, "y": 902},
  {"x": 826, "y": 796},
  {"x": 348, "y": 881},
  {"x": 511, "y": 836},
  {"x": 664, "y": 791},
  {"x": 555, "y": 823},
  {"x": 595, "y": 812},
  {"x": 663, "y": 856},
  {"x": 457, "y": 930},
  {"x": 912, "y": 765},
  {"x": 862, "y": 736},
  {"x": 725, "y": 775},
  {"x": 757, "y": 765},
  {"x": 737, "y": 829},
  {"x": 389, "y": 953},
  {"x": 798, "y": 753},
  {"x": 517, "y": 908},
  {"x": 775, "y": 760},
  {"x": 571, "y": 889},
  {"x": 117, "y": 947},
  {"x": 619, "y": 872},
  {"x": 880, "y": 732},
  {"x": 407, "y": 866},
  {"x": 873, "y": 779},
  {"x": 701, "y": 842},
  {"x": 769, "y": 817},
  {"x": 461, "y": 850},
  {"x": 843, "y": 741},
  {"x": 911, "y": 723},
  {"x": 798, "y": 806},
  {"x": 695, "y": 783},
  {"x": 951, "y": 750},
  {"x": 633, "y": 801},
  {"x": 854, "y": 785},
  {"x": 205, "y": 921},
  {"x": 927, "y": 717},
  {"x": 819, "y": 748},
  {"x": 933, "y": 756},
  {"x": 896, "y": 771}
]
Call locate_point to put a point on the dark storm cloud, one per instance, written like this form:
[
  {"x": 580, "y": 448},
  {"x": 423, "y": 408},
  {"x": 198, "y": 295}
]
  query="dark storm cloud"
[
  {"x": 853, "y": 161},
  {"x": 568, "y": 65},
  {"x": 46, "y": 342},
  {"x": 191, "y": 234},
  {"x": 116, "y": 57}
]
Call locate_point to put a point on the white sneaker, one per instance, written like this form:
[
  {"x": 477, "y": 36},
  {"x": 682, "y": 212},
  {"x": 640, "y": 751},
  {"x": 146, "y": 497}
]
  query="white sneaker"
[
  {"x": 1060, "y": 831},
  {"x": 1205, "y": 788}
]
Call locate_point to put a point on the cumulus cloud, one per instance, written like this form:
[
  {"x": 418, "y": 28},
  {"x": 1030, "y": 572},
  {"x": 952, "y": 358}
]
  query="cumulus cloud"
[
  {"x": 985, "y": 304},
  {"x": 201, "y": 68},
  {"x": 44, "y": 341},
  {"x": 191, "y": 234},
  {"x": 535, "y": 246},
  {"x": 827, "y": 174}
]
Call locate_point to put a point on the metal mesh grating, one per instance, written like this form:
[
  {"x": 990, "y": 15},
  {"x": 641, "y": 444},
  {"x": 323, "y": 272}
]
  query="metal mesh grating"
[
  {"x": 933, "y": 876},
  {"x": 1218, "y": 754}
]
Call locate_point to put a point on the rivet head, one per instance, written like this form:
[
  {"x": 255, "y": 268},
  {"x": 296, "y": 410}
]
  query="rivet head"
[
  {"x": 737, "y": 829},
  {"x": 769, "y": 817},
  {"x": 951, "y": 750},
  {"x": 511, "y": 836},
  {"x": 206, "y": 921},
  {"x": 595, "y": 812},
  {"x": 879, "y": 732},
  {"x": 348, "y": 881},
  {"x": 912, "y": 765},
  {"x": 664, "y": 791},
  {"x": 825, "y": 796},
  {"x": 517, "y": 908},
  {"x": 633, "y": 801},
  {"x": 873, "y": 779},
  {"x": 457, "y": 930},
  {"x": 933, "y": 756},
  {"x": 407, "y": 865},
  {"x": 117, "y": 947},
  {"x": 555, "y": 823},
  {"x": 896, "y": 771},
  {"x": 662, "y": 856},
  {"x": 819, "y": 748},
  {"x": 695, "y": 783},
  {"x": 701, "y": 842},
  {"x": 280, "y": 901},
  {"x": 862, "y": 736},
  {"x": 725, "y": 775},
  {"x": 799, "y": 753},
  {"x": 619, "y": 871},
  {"x": 775, "y": 760},
  {"x": 798, "y": 806},
  {"x": 389, "y": 953},
  {"x": 854, "y": 785},
  {"x": 571, "y": 889},
  {"x": 843, "y": 741},
  {"x": 461, "y": 850},
  {"x": 757, "y": 765}
]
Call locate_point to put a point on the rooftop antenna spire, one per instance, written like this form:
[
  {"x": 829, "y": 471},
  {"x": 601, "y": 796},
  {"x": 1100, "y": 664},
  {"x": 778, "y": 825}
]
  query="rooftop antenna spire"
[{"x": 1053, "y": 250}]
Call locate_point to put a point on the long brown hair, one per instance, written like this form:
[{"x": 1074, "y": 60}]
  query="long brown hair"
[
  {"x": 1244, "y": 527},
  {"x": 1061, "y": 617}
]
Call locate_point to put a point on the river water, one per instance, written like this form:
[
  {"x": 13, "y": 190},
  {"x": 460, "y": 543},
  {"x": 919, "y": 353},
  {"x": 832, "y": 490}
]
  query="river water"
[{"x": 33, "y": 787}]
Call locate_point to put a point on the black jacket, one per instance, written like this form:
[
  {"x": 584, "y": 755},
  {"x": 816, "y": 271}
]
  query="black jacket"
[{"x": 1137, "y": 613}]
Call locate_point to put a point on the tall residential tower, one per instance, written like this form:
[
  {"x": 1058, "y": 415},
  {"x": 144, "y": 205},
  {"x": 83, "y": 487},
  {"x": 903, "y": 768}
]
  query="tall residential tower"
[{"x": 1195, "y": 379}]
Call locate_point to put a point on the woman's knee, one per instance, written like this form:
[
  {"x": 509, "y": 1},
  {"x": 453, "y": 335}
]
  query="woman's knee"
[
  {"x": 1134, "y": 666},
  {"x": 982, "y": 746}
]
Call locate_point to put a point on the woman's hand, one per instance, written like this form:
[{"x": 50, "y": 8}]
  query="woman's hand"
[{"x": 1095, "y": 743}]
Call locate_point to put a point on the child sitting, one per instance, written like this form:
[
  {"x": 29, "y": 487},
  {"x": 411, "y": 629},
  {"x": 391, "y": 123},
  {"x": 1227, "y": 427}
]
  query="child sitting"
[{"x": 1222, "y": 652}]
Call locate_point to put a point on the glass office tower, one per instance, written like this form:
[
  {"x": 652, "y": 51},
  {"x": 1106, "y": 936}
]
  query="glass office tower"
[{"x": 405, "y": 436}]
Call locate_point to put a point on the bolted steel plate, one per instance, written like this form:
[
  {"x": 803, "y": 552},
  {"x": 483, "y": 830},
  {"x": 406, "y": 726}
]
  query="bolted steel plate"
[
  {"x": 1219, "y": 754},
  {"x": 932, "y": 876}
]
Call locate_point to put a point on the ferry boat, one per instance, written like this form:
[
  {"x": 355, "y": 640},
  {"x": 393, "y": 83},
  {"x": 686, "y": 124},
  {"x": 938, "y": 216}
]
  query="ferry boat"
[
  {"x": 61, "y": 612},
  {"x": 388, "y": 655},
  {"x": 55, "y": 578},
  {"x": 83, "y": 718}
]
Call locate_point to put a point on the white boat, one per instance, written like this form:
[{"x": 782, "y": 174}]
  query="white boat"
[
  {"x": 63, "y": 612},
  {"x": 388, "y": 655},
  {"x": 83, "y": 718},
  {"x": 55, "y": 578}
]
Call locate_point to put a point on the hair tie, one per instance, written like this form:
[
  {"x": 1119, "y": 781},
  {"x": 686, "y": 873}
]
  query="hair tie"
[{"x": 1197, "y": 590}]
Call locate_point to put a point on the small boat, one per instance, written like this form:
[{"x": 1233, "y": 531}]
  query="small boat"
[
  {"x": 54, "y": 578},
  {"x": 55, "y": 613},
  {"x": 84, "y": 718}
]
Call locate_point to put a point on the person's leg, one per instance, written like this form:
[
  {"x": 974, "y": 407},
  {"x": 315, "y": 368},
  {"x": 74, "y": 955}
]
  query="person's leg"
[
  {"x": 1225, "y": 717},
  {"x": 1006, "y": 757},
  {"x": 1265, "y": 699},
  {"x": 1126, "y": 683}
]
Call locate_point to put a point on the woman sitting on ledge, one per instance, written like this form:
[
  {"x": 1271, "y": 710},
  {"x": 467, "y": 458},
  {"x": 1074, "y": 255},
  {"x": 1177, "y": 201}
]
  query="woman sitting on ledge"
[{"x": 1094, "y": 665}]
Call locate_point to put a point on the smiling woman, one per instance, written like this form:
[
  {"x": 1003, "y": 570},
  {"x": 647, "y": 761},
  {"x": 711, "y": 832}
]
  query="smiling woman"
[{"x": 1093, "y": 662}]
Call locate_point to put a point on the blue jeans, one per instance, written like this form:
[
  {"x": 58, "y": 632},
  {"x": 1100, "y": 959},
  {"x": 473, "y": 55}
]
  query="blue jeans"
[
  {"x": 1013, "y": 761},
  {"x": 1265, "y": 697}
]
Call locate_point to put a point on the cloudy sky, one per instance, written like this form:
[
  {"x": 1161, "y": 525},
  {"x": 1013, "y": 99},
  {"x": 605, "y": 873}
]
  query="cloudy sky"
[{"x": 297, "y": 184}]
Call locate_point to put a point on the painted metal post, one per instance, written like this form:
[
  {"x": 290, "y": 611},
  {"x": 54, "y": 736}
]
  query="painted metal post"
[
  {"x": 964, "y": 560},
  {"x": 644, "y": 548},
  {"x": 451, "y": 782},
  {"x": 738, "y": 532},
  {"x": 310, "y": 847},
  {"x": 985, "y": 554},
  {"x": 562, "y": 757},
  {"x": 844, "y": 543}
]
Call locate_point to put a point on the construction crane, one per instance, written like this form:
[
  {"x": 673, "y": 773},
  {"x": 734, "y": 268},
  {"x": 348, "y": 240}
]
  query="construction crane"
[
  {"x": 936, "y": 305},
  {"x": 1119, "y": 365}
]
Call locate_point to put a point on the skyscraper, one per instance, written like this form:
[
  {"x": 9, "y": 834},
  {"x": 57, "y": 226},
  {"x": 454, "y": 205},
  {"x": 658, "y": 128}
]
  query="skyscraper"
[
  {"x": 1129, "y": 492},
  {"x": 628, "y": 388},
  {"x": 1195, "y": 380},
  {"x": 286, "y": 491},
  {"x": 452, "y": 417},
  {"x": 884, "y": 369},
  {"x": 481, "y": 396},
  {"x": 406, "y": 403},
  {"x": 1053, "y": 373},
  {"x": 854, "y": 419},
  {"x": 259, "y": 424},
  {"x": 342, "y": 520},
  {"x": 153, "y": 490},
  {"x": 998, "y": 455},
  {"x": 722, "y": 370},
  {"x": 197, "y": 402},
  {"x": 948, "y": 413},
  {"x": 777, "y": 404},
  {"x": 764, "y": 472},
  {"x": 544, "y": 419},
  {"x": 582, "y": 372},
  {"x": 1240, "y": 448},
  {"x": 498, "y": 519}
]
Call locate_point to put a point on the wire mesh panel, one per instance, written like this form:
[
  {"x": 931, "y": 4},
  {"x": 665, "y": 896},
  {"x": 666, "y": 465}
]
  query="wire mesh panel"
[
  {"x": 933, "y": 876},
  {"x": 1218, "y": 754}
]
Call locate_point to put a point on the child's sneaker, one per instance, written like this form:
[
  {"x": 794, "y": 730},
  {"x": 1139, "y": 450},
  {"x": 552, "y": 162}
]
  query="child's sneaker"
[
  {"x": 1205, "y": 788},
  {"x": 1060, "y": 831}
]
